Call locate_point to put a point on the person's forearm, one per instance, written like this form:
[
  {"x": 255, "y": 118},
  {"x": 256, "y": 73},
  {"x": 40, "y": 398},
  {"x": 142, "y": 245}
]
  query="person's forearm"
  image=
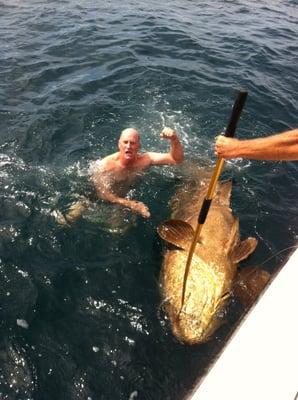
[
  {"x": 283, "y": 146},
  {"x": 111, "y": 197},
  {"x": 176, "y": 150},
  {"x": 135, "y": 206}
]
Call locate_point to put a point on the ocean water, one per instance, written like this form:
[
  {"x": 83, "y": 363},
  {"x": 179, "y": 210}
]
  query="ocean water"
[{"x": 80, "y": 314}]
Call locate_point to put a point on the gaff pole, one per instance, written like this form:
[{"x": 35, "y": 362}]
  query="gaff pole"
[{"x": 230, "y": 131}]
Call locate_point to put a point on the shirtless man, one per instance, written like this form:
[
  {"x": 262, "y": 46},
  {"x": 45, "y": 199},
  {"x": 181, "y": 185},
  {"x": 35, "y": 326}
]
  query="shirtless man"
[{"x": 109, "y": 174}]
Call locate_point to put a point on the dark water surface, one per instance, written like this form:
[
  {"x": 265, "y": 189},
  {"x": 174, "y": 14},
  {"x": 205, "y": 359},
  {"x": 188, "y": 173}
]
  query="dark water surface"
[{"x": 79, "y": 307}]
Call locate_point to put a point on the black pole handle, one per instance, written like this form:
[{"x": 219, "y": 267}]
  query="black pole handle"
[
  {"x": 230, "y": 131},
  {"x": 235, "y": 115},
  {"x": 204, "y": 211}
]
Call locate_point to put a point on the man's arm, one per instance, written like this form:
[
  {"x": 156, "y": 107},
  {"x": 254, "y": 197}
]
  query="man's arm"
[
  {"x": 282, "y": 146},
  {"x": 174, "y": 156},
  {"x": 101, "y": 183}
]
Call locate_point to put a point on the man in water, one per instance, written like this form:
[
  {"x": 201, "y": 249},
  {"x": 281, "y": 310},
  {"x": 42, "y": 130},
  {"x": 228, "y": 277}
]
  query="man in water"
[{"x": 109, "y": 174}]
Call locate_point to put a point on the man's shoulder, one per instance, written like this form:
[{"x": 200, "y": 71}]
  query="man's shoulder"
[
  {"x": 109, "y": 161},
  {"x": 105, "y": 164}
]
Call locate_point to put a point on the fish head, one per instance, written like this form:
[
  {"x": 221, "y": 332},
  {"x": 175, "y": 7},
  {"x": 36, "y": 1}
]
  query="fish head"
[{"x": 206, "y": 294}]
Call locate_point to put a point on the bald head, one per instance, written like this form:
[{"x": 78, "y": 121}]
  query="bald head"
[{"x": 131, "y": 133}]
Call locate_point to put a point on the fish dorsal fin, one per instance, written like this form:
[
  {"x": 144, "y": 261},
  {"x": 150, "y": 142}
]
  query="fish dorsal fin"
[
  {"x": 244, "y": 249},
  {"x": 224, "y": 193},
  {"x": 176, "y": 232}
]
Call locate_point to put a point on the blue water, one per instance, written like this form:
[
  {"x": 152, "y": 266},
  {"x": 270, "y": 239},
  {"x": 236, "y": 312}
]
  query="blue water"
[{"x": 80, "y": 314}]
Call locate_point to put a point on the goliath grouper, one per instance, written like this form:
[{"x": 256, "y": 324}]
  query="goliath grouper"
[{"x": 213, "y": 270}]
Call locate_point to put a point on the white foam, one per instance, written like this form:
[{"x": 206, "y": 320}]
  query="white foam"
[
  {"x": 22, "y": 323},
  {"x": 133, "y": 395}
]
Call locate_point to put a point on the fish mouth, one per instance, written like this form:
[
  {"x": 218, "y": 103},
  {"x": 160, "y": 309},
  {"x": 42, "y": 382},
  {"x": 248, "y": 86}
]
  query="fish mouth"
[
  {"x": 198, "y": 327},
  {"x": 193, "y": 330}
]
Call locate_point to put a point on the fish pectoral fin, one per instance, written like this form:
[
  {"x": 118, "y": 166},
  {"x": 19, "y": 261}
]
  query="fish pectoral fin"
[
  {"x": 249, "y": 283},
  {"x": 234, "y": 237},
  {"x": 176, "y": 232},
  {"x": 244, "y": 249}
]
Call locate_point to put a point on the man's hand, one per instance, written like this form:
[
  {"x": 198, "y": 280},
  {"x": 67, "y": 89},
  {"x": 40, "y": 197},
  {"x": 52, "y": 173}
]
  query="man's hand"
[
  {"x": 168, "y": 133},
  {"x": 140, "y": 208},
  {"x": 226, "y": 147}
]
